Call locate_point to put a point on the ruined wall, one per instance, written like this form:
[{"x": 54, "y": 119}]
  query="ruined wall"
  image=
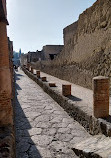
[
  {"x": 69, "y": 32},
  {"x": 51, "y": 49},
  {"x": 35, "y": 56},
  {"x": 23, "y": 59},
  {"x": 87, "y": 52}
]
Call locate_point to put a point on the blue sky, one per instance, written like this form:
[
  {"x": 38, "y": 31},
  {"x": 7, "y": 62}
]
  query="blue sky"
[{"x": 35, "y": 23}]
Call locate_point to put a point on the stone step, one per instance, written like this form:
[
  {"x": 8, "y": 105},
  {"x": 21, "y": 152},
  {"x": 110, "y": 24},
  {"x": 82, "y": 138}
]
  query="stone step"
[{"x": 97, "y": 146}]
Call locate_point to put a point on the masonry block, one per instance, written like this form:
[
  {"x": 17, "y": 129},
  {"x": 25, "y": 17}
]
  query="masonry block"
[
  {"x": 38, "y": 73},
  {"x": 6, "y": 110},
  {"x": 4, "y": 52},
  {"x": 31, "y": 70},
  {"x": 44, "y": 79},
  {"x": 66, "y": 90},
  {"x": 28, "y": 66},
  {"x": 52, "y": 84},
  {"x": 101, "y": 96}
]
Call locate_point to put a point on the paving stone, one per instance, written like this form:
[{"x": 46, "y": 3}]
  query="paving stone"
[
  {"x": 39, "y": 152},
  {"x": 64, "y": 130},
  {"x": 43, "y": 128},
  {"x": 23, "y": 146},
  {"x": 34, "y": 131},
  {"x": 43, "y": 125},
  {"x": 49, "y": 131},
  {"x": 42, "y": 140}
]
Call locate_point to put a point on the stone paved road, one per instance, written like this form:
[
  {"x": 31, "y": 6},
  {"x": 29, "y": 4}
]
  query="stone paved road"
[{"x": 43, "y": 128}]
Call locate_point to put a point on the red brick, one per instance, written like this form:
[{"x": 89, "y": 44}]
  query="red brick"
[
  {"x": 66, "y": 90},
  {"x": 101, "y": 96}
]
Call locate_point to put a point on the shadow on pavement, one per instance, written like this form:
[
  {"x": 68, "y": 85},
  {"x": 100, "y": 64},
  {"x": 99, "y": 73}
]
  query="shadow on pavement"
[
  {"x": 18, "y": 87},
  {"x": 73, "y": 98},
  {"x": 108, "y": 119},
  {"x": 17, "y": 76},
  {"x": 25, "y": 147}
]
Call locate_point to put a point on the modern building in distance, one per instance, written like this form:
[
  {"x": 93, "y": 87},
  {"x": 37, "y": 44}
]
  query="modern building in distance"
[{"x": 17, "y": 57}]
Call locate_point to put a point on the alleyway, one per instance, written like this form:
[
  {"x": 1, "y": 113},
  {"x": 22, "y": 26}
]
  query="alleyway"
[{"x": 43, "y": 128}]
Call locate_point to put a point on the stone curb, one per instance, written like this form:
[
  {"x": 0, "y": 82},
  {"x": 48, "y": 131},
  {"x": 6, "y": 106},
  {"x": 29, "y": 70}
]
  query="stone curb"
[
  {"x": 93, "y": 125},
  {"x": 86, "y": 154}
]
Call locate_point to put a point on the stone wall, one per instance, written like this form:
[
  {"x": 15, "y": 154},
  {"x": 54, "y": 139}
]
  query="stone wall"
[
  {"x": 69, "y": 32},
  {"x": 87, "y": 52},
  {"x": 35, "y": 56},
  {"x": 49, "y": 52},
  {"x": 51, "y": 49}
]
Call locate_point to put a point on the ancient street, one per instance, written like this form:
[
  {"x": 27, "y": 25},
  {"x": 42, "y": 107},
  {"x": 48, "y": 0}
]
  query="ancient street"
[
  {"x": 55, "y": 79},
  {"x": 43, "y": 128}
]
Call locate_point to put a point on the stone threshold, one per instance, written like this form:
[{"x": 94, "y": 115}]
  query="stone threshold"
[
  {"x": 93, "y": 125},
  {"x": 97, "y": 146}
]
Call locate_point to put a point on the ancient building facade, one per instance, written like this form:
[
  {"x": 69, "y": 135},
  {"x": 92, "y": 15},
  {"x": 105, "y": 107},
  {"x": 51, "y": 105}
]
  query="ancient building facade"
[
  {"x": 6, "y": 112},
  {"x": 51, "y": 51},
  {"x": 87, "y": 47},
  {"x": 35, "y": 56}
]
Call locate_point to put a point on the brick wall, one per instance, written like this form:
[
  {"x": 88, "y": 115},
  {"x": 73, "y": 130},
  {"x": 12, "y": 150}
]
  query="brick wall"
[
  {"x": 6, "y": 79},
  {"x": 4, "y": 7},
  {"x": 4, "y": 61}
]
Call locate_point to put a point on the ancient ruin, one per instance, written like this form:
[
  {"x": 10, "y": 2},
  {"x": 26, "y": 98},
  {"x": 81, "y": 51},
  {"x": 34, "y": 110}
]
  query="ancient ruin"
[
  {"x": 6, "y": 85},
  {"x": 87, "y": 47},
  {"x": 45, "y": 111}
]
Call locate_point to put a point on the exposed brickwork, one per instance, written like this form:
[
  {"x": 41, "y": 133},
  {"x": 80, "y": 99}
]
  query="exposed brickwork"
[
  {"x": 4, "y": 7},
  {"x": 44, "y": 78},
  {"x": 31, "y": 70},
  {"x": 5, "y": 76},
  {"x": 28, "y": 66},
  {"x": 4, "y": 61},
  {"x": 101, "y": 96},
  {"x": 6, "y": 112},
  {"x": 52, "y": 84},
  {"x": 6, "y": 85},
  {"x": 38, "y": 73},
  {"x": 66, "y": 90}
]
